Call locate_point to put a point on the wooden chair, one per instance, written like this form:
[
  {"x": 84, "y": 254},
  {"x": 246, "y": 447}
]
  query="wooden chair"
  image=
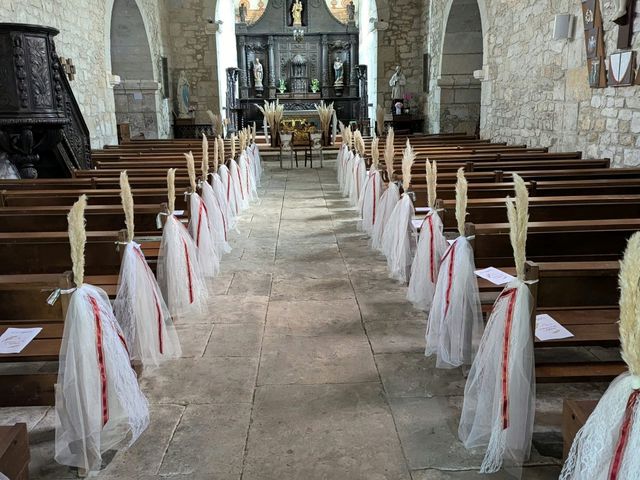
[{"x": 286, "y": 147}]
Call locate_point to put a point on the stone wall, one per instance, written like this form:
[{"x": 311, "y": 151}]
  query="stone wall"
[
  {"x": 85, "y": 37},
  {"x": 535, "y": 89}
]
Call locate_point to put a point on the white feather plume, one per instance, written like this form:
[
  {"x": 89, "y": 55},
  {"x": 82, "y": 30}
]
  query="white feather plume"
[
  {"x": 389, "y": 153},
  {"x": 205, "y": 157},
  {"x": 216, "y": 155},
  {"x": 375, "y": 153},
  {"x": 233, "y": 146},
  {"x": 222, "y": 152},
  {"x": 629, "y": 281},
  {"x": 191, "y": 170}
]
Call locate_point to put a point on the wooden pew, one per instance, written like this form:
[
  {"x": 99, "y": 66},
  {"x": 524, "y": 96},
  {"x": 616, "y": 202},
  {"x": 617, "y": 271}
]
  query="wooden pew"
[{"x": 14, "y": 451}]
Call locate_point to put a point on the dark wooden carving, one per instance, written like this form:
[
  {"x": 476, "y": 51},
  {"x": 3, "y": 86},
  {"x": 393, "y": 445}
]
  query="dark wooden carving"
[{"x": 41, "y": 128}]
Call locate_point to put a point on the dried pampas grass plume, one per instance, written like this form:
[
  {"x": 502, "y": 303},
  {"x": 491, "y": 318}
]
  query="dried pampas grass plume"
[
  {"x": 222, "y": 152},
  {"x": 518, "y": 214},
  {"x": 380, "y": 120},
  {"x": 361, "y": 148},
  {"x": 171, "y": 189},
  {"x": 216, "y": 123},
  {"x": 77, "y": 238},
  {"x": 216, "y": 155},
  {"x": 191, "y": 170},
  {"x": 375, "y": 153},
  {"x": 432, "y": 182},
  {"x": 127, "y": 204},
  {"x": 233, "y": 146},
  {"x": 461, "y": 200},
  {"x": 629, "y": 281},
  {"x": 205, "y": 158},
  {"x": 389, "y": 153},
  {"x": 408, "y": 157}
]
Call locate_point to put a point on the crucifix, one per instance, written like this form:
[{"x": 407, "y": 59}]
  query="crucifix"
[{"x": 68, "y": 67}]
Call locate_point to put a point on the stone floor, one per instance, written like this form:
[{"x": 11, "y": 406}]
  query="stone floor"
[{"x": 310, "y": 367}]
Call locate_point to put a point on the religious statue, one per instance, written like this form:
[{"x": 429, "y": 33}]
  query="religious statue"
[
  {"x": 397, "y": 84},
  {"x": 182, "y": 94},
  {"x": 242, "y": 11},
  {"x": 622, "y": 8},
  {"x": 296, "y": 13},
  {"x": 351, "y": 11},
  {"x": 258, "y": 74},
  {"x": 338, "y": 69}
]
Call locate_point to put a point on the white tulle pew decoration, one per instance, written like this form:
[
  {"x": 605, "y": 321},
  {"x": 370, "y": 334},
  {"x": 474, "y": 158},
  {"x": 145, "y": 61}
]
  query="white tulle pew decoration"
[
  {"x": 499, "y": 397},
  {"x": 431, "y": 248},
  {"x": 370, "y": 197},
  {"x": 340, "y": 159},
  {"x": 217, "y": 212},
  {"x": 607, "y": 446},
  {"x": 139, "y": 306},
  {"x": 359, "y": 176},
  {"x": 399, "y": 238},
  {"x": 180, "y": 276},
  {"x": 455, "y": 325},
  {"x": 389, "y": 198},
  {"x": 223, "y": 186},
  {"x": 99, "y": 405},
  {"x": 200, "y": 226}
]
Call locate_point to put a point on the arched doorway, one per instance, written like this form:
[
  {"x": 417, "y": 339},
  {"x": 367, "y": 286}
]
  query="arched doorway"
[
  {"x": 135, "y": 95},
  {"x": 462, "y": 54}
]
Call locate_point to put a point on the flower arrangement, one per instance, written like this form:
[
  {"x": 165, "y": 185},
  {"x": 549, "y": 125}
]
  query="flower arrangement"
[
  {"x": 282, "y": 85},
  {"x": 398, "y": 106},
  {"x": 315, "y": 85}
]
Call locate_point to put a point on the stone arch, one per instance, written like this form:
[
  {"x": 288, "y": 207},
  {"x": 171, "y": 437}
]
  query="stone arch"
[
  {"x": 131, "y": 59},
  {"x": 369, "y": 48},
  {"x": 462, "y": 53},
  {"x": 226, "y": 53}
]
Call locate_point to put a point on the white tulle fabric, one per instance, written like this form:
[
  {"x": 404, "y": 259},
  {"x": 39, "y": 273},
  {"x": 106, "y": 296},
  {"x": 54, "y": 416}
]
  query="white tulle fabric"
[
  {"x": 340, "y": 166},
  {"x": 202, "y": 234},
  {"x": 221, "y": 194},
  {"x": 400, "y": 240},
  {"x": 388, "y": 201},
  {"x": 370, "y": 201},
  {"x": 180, "y": 276},
  {"x": 454, "y": 328},
  {"x": 359, "y": 180},
  {"x": 242, "y": 196},
  {"x": 256, "y": 162},
  {"x": 594, "y": 448},
  {"x": 94, "y": 412},
  {"x": 247, "y": 177},
  {"x": 217, "y": 219},
  {"x": 231, "y": 193},
  {"x": 505, "y": 430},
  {"x": 348, "y": 174},
  {"x": 142, "y": 312},
  {"x": 426, "y": 263}
]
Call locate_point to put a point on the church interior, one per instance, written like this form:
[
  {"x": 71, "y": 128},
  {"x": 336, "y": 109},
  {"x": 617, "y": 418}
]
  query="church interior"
[{"x": 319, "y": 239}]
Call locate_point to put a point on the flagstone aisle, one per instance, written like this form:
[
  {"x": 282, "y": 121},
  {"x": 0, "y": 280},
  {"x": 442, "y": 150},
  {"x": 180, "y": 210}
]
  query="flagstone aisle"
[{"x": 310, "y": 365}]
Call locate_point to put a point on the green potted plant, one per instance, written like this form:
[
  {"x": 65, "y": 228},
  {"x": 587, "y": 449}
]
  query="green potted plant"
[
  {"x": 282, "y": 85},
  {"x": 315, "y": 85}
]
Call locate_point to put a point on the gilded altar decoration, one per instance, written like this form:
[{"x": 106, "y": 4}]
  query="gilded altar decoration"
[{"x": 296, "y": 13}]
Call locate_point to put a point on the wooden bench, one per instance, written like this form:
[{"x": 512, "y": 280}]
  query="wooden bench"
[{"x": 14, "y": 451}]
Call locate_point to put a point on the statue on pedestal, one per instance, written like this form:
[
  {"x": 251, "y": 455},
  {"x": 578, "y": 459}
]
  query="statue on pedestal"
[
  {"x": 338, "y": 69},
  {"x": 351, "y": 12},
  {"x": 258, "y": 74},
  {"x": 296, "y": 13},
  {"x": 182, "y": 94},
  {"x": 242, "y": 11},
  {"x": 397, "y": 84}
]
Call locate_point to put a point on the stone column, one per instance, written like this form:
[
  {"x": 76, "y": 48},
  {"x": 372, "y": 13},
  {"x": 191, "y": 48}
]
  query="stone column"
[
  {"x": 353, "y": 58},
  {"x": 242, "y": 63},
  {"x": 326, "y": 67},
  {"x": 272, "y": 68}
]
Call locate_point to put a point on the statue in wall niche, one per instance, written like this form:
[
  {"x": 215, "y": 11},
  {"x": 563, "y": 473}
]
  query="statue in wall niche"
[
  {"x": 182, "y": 94},
  {"x": 258, "y": 74},
  {"x": 351, "y": 11},
  {"x": 242, "y": 12},
  {"x": 338, "y": 70},
  {"x": 296, "y": 13},
  {"x": 397, "y": 83}
]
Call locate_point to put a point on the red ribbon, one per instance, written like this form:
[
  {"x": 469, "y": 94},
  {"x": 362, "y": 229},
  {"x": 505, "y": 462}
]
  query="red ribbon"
[
  {"x": 452, "y": 253},
  {"x": 432, "y": 253},
  {"x": 375, "y": 199},
  {"x": 512, "y": 294},
  {"x": 625, "y": 431},
  {"x": 186, "y": 254},
  {"x": 201, "y": 210},
  {"x": 101, "y": 363},
  {"x": 224, "y": 221},
  {"x": 237, "y": 169},
  {"x": 228, "y": 188},
  {"x": 155, "y": 298},
  {"x": 356, "y": 172}
]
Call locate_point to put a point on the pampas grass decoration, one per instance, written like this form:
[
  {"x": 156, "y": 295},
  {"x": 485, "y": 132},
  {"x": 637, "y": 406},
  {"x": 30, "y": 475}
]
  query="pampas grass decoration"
[
  {"x": 216, "y": 123},
  {"x": 408, "y": 157},
  {"x": 389, "y": 153},
  {"x": 77, "y": 238},
  {"x": 375, "y": 153},
  {"x": 222, "y": 152},
  {"x": 171, "y": 189},
  {"x": 233, "y": 146},
  {"x": 629, "y": 280},
  {"x": 518, "y": 215},
  {"x": 205, "y": 157},
  {"x": 380, "y": 120},
  {"x": 191, "y": 170},
  {"x": 461, "y": 200},
  {"x": 432, "y": 182},
  {"x": 359, "y": 143},
  {"x": 325, "y": 112},
  {"x": 216, "y": 155},
  {"x": 127, "y": 204},
  {"x": 273, "y": 113}
]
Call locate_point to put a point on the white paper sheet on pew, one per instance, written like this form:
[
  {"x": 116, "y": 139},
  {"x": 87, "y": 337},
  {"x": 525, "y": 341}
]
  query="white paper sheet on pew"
[
  {"x": 13, "y": 340},
  {"x": 495, "y": 276},
  {"x": 547, "y": 328},
  {"x": 423, "y": 209},
  {"x": 417, "y": 223}
]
